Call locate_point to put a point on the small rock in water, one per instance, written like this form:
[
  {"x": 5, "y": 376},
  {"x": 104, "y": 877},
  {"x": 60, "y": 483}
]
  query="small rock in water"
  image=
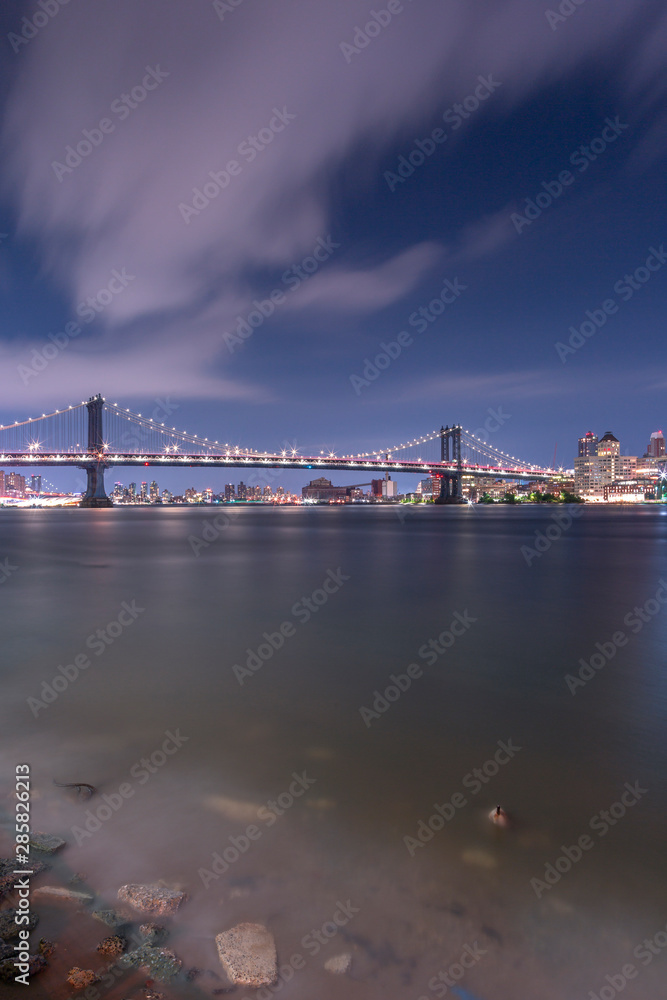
[
  {"x": 153, "y": 933},
  {"x": 248, "y": 955},
  {"x": 8, "y": 970},
  {"x": 80, "y": 978},
  {"x": 46, "y": 948},
  {"x": 9, "y": 929},
  {"x": 6, "y": 950},
  {"x": 160, "y": 962},
  {"x": 69, "y": 894},
  {"x": 8, "y": 878},
  {"x": 47, "y": 843},
  {"x": 151, "y": 898},
  {"x": 112, "y": 946},
  {"x": 339, "y": 963},
  {"x": 110, "y": 918}
]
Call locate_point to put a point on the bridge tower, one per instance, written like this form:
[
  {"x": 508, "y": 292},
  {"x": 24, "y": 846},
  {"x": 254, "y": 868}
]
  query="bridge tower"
[
  {"x": 95, "y": 495},
  {"x": 450, "y": 483}
]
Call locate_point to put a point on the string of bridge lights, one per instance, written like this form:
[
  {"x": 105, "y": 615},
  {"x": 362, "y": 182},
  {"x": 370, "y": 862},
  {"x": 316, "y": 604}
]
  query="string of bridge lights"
[
  {"x": 159, "y": 428},
  {"x": 44, "y": 416}
]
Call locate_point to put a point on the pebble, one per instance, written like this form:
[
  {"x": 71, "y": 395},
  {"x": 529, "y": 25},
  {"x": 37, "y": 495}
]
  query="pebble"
[
  {"x": 69, "y": 894},
  {"x": 339, "y": 964},
  {"x": 112, "y": 946},
  {"x": 47, "y": 843},
  {"x": 7, "y": 877},
  {"x": 110, "y": 918},
  {"x": 161, "y": 963},
  {"x": 151, "y": 898},
  {"x": 247, "y": 953},
  {"x": 152, "y": 933},
  {"x": 9, "y": 929},
  {"x": 80, "y": 978},
  {"x": 8, "y": 970}
]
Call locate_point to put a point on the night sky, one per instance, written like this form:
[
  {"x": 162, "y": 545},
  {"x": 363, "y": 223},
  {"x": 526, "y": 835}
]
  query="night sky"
[{"x": 500, "y": 154}]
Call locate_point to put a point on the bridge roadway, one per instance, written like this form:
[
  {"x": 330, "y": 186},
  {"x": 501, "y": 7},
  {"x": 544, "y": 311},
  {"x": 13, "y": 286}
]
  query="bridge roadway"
[{"x": 244, "y": 460}]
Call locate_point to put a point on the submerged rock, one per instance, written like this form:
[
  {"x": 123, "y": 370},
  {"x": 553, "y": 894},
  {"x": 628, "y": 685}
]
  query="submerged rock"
[
  {"x": 247, "y": 953},
  {"x": 9, "y": 929},
  {"x": 47, "y": 843},
  {"x": 152, "y": 933},
  {"x": 80, "y": 978},
  {"x": 68, "y": 894},
  {"x": 7, "y": 877},
  {"x": 110, "y": 918},
  {"x": 339, "y": 964},
  {"x": 8, "y": 970},
  {"x": 161, "y": 963},
  {"x": 112, "y": 946},
  {"x": 151, "y": 898}
]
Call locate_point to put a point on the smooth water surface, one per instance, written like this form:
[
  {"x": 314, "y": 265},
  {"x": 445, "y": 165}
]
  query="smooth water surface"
[{"x": 397, "y": 578}]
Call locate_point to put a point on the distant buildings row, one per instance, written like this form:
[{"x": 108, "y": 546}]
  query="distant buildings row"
[
  {"x": 13, "y": 484},
  {"x": 147, "y": 493},
  {"x": 602, "y": 473}
]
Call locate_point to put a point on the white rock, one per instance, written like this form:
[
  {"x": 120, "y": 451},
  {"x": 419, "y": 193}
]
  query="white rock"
[
  {"x": 247, "y": 953},
  {"x": 339, "y": 963}
]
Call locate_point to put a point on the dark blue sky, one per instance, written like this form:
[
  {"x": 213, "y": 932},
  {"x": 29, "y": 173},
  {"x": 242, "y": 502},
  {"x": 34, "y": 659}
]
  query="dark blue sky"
[{"x": 334, "y": 111}]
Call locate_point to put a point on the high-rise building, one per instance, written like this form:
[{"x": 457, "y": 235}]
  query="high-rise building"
[
  {"x": 132, "y": 490},
  {"x": 154, "y": 492},
  {"x": 656, "y": 446},
  {"x": 2, "y": 483},
  {"x": 143, "y": 495},
  {"x": 166, "y": 496},
  {"x": 241, "y": 491},
  {"x": 588, "y": 445},
  {"x": 229, "y": 491},
  {"x": 36, "y": 484},
  {"x": 609, "y": 445},
  {"x": 14, "y": 484}
]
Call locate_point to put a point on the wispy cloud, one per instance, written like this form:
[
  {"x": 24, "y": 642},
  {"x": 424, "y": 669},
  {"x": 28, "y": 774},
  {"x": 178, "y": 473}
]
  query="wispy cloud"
[{"x": 120, "y": 206}]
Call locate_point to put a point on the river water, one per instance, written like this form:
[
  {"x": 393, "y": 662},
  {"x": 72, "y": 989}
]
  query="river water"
[{"x": 336, "y": 864}]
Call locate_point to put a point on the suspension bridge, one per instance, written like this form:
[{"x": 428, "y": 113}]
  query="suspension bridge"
[{"x": 96, "y": 436}]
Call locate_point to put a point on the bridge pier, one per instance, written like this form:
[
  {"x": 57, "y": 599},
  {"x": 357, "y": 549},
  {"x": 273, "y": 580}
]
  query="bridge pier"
[
  {"x": 95, "y": 495},
  {"x": 450, "y": 483}
]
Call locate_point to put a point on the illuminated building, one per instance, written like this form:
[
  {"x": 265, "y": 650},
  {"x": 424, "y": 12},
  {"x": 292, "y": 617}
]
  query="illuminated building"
[
  {"x": 588, "y": 445},
  {"x": 656, "y": 446},
  {"x": 609, "y": 445}
]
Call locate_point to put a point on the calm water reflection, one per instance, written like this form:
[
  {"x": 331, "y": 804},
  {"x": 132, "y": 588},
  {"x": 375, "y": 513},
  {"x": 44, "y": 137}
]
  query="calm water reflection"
[{"x": 171, "y": 668}]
